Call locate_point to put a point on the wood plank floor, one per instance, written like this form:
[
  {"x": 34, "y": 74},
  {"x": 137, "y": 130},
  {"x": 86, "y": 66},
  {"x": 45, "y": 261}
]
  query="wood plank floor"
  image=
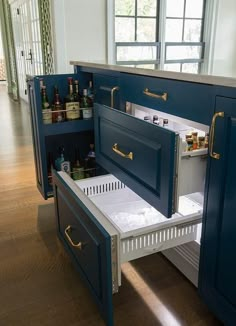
[{"x": 38, "y": 284}]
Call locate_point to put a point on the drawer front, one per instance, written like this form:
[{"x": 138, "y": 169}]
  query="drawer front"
[
  {"x": 87, "y": 242},
  {"x": 188, "y": 100},
  {"x": 149, "y": 167},
  {"x": 107, "y": 90}
]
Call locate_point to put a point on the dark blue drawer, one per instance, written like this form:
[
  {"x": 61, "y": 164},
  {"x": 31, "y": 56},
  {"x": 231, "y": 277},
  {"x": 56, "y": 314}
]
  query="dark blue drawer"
[
  {"x": 86, "y": 241},
  {"x": 192, "y": 101},
  {"x": 150, "y": 166}
]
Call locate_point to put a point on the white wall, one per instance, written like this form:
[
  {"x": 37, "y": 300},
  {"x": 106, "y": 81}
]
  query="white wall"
[
  {"x": 224, "y": 47},
  {"x": 79, "y": 32}
]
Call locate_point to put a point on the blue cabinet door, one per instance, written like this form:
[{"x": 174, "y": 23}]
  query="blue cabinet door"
[
  {"x": 217, "y": 279},
  {"x": 87, "y": 243},
  {"x": 143, "y": 156}
]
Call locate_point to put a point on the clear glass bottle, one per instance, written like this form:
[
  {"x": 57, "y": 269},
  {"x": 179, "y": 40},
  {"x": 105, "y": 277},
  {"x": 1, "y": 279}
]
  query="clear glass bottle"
[{"x": 86, "y": 105}]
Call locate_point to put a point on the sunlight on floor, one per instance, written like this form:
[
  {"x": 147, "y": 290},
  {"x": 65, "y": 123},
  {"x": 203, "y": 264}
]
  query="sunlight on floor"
[{"x": 163, "y": 315}]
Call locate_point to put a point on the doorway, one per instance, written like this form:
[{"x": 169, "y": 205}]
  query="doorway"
[{"x": 28, "y": 45}]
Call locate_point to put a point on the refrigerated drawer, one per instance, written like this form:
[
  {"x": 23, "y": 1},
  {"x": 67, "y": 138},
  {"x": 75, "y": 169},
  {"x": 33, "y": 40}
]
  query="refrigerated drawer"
[
  {"x": 141, "y": 155},
  {"x": 92, "y": 215}
]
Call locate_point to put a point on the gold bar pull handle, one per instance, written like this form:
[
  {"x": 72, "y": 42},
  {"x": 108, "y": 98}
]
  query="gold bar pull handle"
[
  {"x": 113, "y": 90},
  {"x": 78, "y": 245},
  {"x": 162, "y": 96},
  {"x": 214, "y": 155},
  {"x": 117, "y": 151}
]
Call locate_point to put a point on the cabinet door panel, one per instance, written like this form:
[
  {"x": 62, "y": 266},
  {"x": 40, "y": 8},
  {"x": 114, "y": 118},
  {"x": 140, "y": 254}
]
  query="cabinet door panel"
[
  {"x": 217, "y": 282},
  {"x": 151, "y": 172}
]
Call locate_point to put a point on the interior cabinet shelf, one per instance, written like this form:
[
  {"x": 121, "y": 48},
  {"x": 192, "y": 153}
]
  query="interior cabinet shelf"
[{"x": 67, "y": 127}]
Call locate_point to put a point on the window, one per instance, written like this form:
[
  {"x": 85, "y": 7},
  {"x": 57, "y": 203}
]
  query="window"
[
  {"x": 137, "y": 37},
  {"x": 136, "y": 32}
]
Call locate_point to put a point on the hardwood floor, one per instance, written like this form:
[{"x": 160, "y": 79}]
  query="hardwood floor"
[{"x": 38, "y": 283}]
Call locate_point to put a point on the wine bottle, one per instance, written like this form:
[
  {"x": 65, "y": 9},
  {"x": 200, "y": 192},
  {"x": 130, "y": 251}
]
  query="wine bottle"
[
  {"x": 72, "y": 105},
  {"x": 60, "y": 159},
  {"x": 46, "y": 110},
  {"x": 58, "y": 112},
  {"x": 78, "y": 169}
]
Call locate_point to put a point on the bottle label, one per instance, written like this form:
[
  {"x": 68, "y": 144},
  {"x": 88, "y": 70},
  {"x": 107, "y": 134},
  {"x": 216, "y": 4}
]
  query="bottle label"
[
  {"x": 65, "y": 166},
  {"x": 72, "y": 110},
  {"x": 47, "y": 116},
  {"x": 87, "y": 113}
]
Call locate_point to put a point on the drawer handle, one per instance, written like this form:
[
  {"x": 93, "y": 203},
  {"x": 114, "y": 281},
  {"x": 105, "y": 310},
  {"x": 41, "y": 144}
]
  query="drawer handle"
[
  {"x": 162, "y": 97},
  {"x": 117, "y": 151},
  {"x": 75, "y": 245},
  {"x": 214, "y": 155},
  {"x": 113, "y": 90}
]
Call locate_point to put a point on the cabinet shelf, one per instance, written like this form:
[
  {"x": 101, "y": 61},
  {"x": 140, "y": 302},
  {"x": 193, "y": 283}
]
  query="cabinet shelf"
[
  {"x": 67, "y": 127},
  {"x": 196, "y": 152}
]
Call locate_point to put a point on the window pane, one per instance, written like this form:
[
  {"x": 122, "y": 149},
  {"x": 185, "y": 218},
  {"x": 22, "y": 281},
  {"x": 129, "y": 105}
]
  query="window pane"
[
  {"x": 183, "y": 52},
  {"x": 172, "y": 67},
  {"x": 125, "y": 7},
  {"x": 190, "y": 68},
  {"x": 124, "y": 30},
  {"x": 174, "y": 28},
  {"x": 136, "y": 53},
  {"x": 192, "y": 30},
  {"x": 147, "y": 7},
  {"x": 194, "y": 8},
  {"x": 174, "y": 8},
  {"x": 146, "y": 30}
]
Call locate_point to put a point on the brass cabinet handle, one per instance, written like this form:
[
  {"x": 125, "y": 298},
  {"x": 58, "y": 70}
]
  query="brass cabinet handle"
[
  {"x": 162, "y": 97},
  {"x": 75, "y": 245},
  {"x": 212, "y": 135},
  {"x": 113, "y": 90},
  {"x": 117, "y": 151}
]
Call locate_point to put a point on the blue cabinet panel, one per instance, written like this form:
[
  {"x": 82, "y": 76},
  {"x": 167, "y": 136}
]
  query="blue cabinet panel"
[
  {"x": 43, "y": 134},
  {"x": 218, "y": 259},
  {"x": 188, "y": 100},
  {"x": 150, "y": 169},
  {"x": 76, "y": 224}
]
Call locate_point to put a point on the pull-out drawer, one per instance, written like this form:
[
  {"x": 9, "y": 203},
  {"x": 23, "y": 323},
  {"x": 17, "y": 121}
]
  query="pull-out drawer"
[
  {"x": 103, "y": 223},
  {"x": 191, "y": 101},
  {"x": 141, "y": 155}
]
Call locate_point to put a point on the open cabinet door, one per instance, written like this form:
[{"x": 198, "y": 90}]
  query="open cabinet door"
[
  {"x": 217, "y": 283},
  {"x": 141, "y": 155},
  {"x": 86, "y": 241}
]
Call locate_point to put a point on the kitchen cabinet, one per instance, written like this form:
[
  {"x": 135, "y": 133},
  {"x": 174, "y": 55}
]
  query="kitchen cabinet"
[
  {"x": 149, "y": 174},
  {"x": 218, "y": 259}
]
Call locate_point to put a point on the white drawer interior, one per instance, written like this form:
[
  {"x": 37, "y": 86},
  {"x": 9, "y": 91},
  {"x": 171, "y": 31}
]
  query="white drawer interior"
[{"x": 143, "y": 230}]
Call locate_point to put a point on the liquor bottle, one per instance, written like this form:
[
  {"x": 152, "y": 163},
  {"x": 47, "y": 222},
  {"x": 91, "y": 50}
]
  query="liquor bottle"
[
  {"x": 90, "y": 93},
  {"x": 92, "y": 161},
  {"x": 77, "y": 96},
  {"x": 72, "y": 105},
  {"x": 60, "y": 159},
  {"x": 58, "y": 112},
  {"x": 78, "y": 169},
  {"x": 46, "y": 110},
  {"x": 86, "y": 105},
  {"x": 155, "y": 120}
]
